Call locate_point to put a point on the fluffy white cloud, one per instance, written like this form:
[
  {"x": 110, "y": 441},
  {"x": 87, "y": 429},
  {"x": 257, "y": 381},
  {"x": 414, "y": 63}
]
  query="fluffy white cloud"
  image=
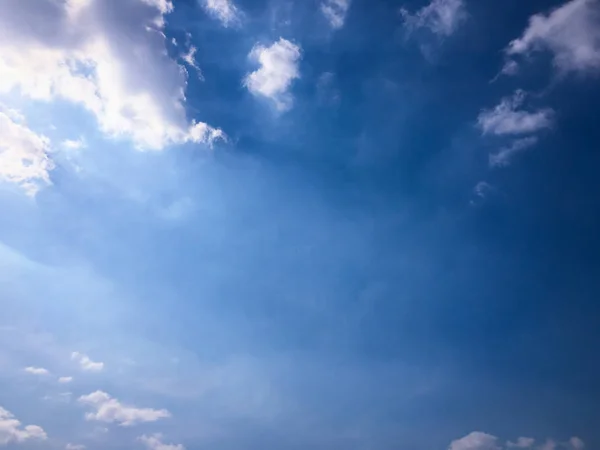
[
  {"x": 11, "y": 430},
  {"x": 223, "y": 10},
  {"x": 475, "y": 441},
  {"x": 108, "y": 409},
  {"x": 522, "y": 442},
  {"x": 109, "y": 57},
  {"x": 65, "y": 380},
  {"x": 154, "y": 442},
  {"x": 86, "y": 363},
  {"x": 36, "y": 370},
  {"x": 278, "y": 68},
  {"x": 507, "y": 118},
  {"x": 335, "y": 12},
  {"x": 24, "y": 158},
  {"x": 441, "y": 17},
  {"x": 571, "y": 33},
  {"x": 503, "y": 159}
]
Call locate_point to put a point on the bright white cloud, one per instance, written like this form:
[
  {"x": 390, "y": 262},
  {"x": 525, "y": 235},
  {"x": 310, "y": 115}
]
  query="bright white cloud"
[
  {"x": 507, "y": 118},
  {"x": 335, "y": 12},
  {"x": 154, "y": 442},
  {"x": 441, "y": 17},
  {"x": 74, "y": 447},
  {"x": 11, "y": 430},
  {"x": 109, "y": 57},
  {"x": 504, "y": 158},
  {"x": 111, "y": 410},
  {"x": 278, "y": 68},
  {"x": 36, "y": 370},
  {"x": 522, "y": 442},
  {"x": 73, "y": 144},
  {"x": 65, "y": 380},
  {"x": 475, "y": 441},
  {"x": 223, "y": 10},
  {"x": 571, "y": 33},
  {"x": 24, "y": 158},
  {"x": 86, "y": 363}
]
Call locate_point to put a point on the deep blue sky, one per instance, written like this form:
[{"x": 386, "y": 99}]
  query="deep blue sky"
[{"x": 386, "y": 238}]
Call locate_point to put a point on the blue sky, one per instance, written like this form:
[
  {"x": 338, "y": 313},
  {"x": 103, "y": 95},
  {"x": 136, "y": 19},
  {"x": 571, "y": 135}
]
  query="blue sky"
[{"x": 285, "y": 224}]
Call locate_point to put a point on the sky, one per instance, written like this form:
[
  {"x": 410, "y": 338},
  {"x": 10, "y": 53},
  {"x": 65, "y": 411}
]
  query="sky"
[{"x": 291, "y": 224}]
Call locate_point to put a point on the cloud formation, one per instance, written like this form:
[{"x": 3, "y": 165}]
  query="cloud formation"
[
  {"x": 111, "y": 410},
  {"x": 503, "y": 158},
  {"x": 24, "y": 154},
  {"x": 475, "y": 441},
  {"x": 36, "y": 370},
  {"x": 154, "y": 442},
  {"x": 91, "y": 53},
  {"x": 65, "y": 380},
  {"x": 11, "y": 430},
  {"x": 223, "y": 10},
  {"x": 441, "y": 17},
  {"x": 478, "y": 440},
  {"x": 86, "y": 363},
  {"x": 571, "y": 33},
  {"x": 508, "y": 119},
  {"x": 335, "y": 12},
  {"x": 278, "y": 68}
]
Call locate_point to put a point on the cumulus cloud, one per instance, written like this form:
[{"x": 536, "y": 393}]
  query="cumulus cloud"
[
  {"x": 504, "y": 158},
  {"x": 107, "y": 56},
  {"x": 571, "y": 33},
  {"x": 475, "y": 441},
  {"x": 24, "y": 154},
  {"x": 278, "y": 68},
  {"x": 223, "y": 10},
  {"x": 65, "y": 380},
  {"x": 441, "y": 17},
  {"x": 335, "y": 12},
  {"x": 11, "y": 430},
  {"x": 506, "y": 118},
  {"x": 36, "y": 370},
  {"x": 111, "y": 410},
  {"x": 154, "y": 442},
  {"x": 86, "y": 363}
]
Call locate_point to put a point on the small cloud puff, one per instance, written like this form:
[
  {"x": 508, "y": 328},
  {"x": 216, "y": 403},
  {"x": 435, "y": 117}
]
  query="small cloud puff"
[
  {"x": 154, "y": 442},
  {"x": 111, "y": 410},
  {"x": 36, "y": 370},
  {"x": 86, "y": 363},
  {"x": 441, "y": 17},
  {"x": 223, "y": 10},
  {"x": 65, "y": 380}
]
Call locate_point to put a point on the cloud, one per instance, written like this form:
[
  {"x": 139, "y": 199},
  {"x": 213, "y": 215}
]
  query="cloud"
[
  {"x": 441, "y": 17},
  {"x": 507, "y": 118},
  {"x": 522, "y": 442},
  {"x": 74, "y": 447},
  {"x": 36, "y": 370},
  {"x": 65, "y": 380},
  {"x": 154, "y": 442},
  {"x": 107, "y": 56},
  {"x": 335, "y": 12},
  {"x": 11, "y": 430},
  {"x": 571, "y": 33},
  {"x": 73, "y": 144},
  {"x": 24, "y": 154},
  {"x": 504, "y": 157},
  {"x": 278, "y": 68},
  {"x": 576, "y": 443},
  {"x": 110, "y": 410},
  {"x": 223, "y": 10},
  {"x": 475, "y": 441},
  {"x": 86, "y": 363}
]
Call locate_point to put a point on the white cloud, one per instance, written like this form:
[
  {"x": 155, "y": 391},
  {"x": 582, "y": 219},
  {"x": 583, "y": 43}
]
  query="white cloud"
[
  {"x": 73, "y": 144},
  {"x": 576, "y": 443},
  {"x": 36, "y": 370},
  {"x": 278, "y": 68},
  {"x": 86, "y": 363},
  {"x": 11, "y": 430},
  {"x": 522, "y": 442},
  {"x": 507, "y": 118},
  {"x": 24, "y": 156},
  {"x": 504, "y": 157},
  {"x": 74, "y": 447},
  {"x": 154, "y": 442},
  {"x": 441, "y": 17},
  {"x": 223, "y": 10},
  {"x": 65, "y": 380},
  {"x": 109, "y": 57},
  {"x": 571, "y": 32},
  {"x": 475, "y": 441},
  {"x": 190, "y": 59},
  {"x": 335, "y": 12},
  {"x": 108, "y": 409}
]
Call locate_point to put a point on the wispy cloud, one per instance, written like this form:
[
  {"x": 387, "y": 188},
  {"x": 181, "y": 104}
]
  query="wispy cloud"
[
  {"x": 36, "y": 370},
  {"x": 522, "y": 442},
  {"x": 12, "y": 431},
  {"x": 571, "y": 33},
  {"x": 111, "y": 410},
  {"x": 335, "y": 12},
  {"x": 70, "y": 446},
  {"x": 507, "y": 118},
  {"x": 441, "y": 17},
  {"x": 86, "y": 363},
  {"x": 73, "y": 144},
  {"x": 503, "y": 158},
  {"x": 478, "y": 440},
  {"x": 65, "y": 380},
  {"x": 278, "y": 68},
  {"x": 155, "y": 442},
  {"x": 223, "y": 10}
]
